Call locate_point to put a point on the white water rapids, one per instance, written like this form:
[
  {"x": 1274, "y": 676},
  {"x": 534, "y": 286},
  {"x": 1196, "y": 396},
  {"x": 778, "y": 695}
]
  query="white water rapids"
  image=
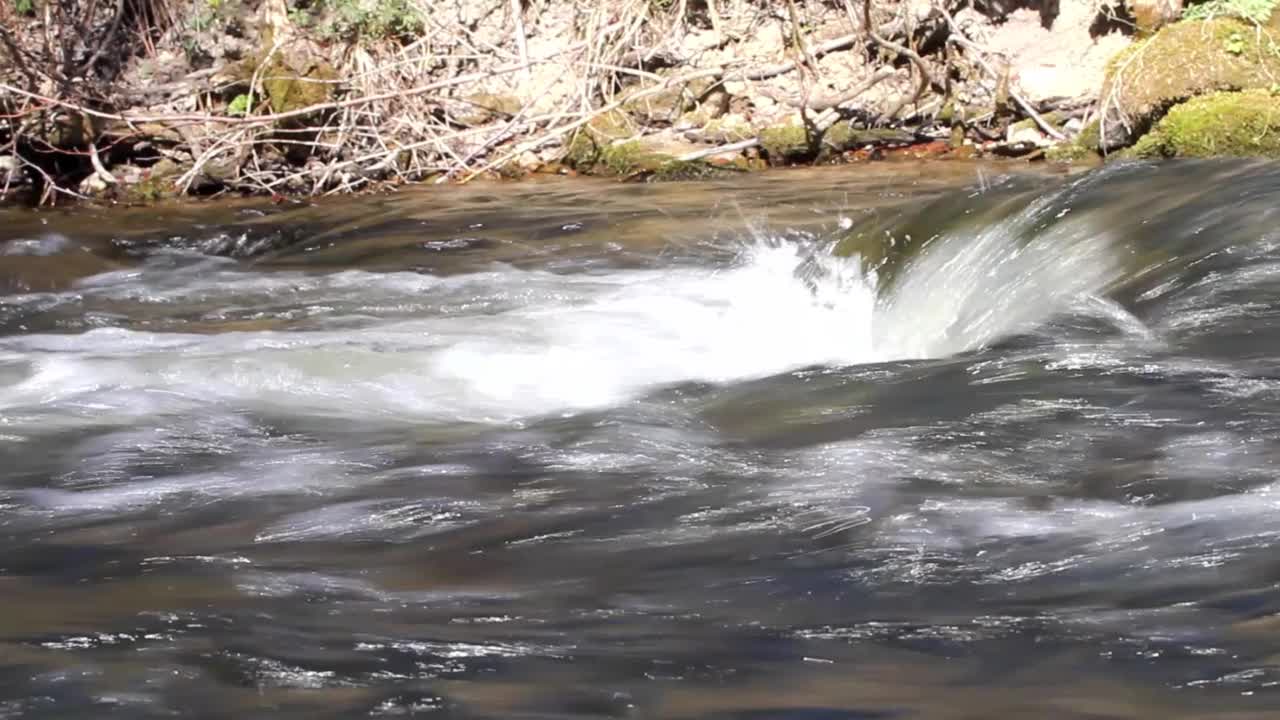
[{"x": 509, "y": 343}]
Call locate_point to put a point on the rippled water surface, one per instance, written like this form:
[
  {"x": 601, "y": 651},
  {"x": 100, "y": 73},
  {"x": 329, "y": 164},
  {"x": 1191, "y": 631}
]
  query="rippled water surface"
[{"x": 569, "y": 449}]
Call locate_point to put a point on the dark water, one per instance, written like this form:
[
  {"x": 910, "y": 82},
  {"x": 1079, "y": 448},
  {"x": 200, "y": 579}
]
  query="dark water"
[{"x": 581, "y": 450}]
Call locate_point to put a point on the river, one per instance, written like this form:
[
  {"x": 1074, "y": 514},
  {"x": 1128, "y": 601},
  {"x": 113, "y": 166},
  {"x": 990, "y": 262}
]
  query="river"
[{"x": 578, "y": 449}]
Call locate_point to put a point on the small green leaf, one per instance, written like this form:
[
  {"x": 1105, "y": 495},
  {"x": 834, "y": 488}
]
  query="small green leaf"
[
  {"x": 1234, "y": 44},
  {"x": 239, "y": 105}
]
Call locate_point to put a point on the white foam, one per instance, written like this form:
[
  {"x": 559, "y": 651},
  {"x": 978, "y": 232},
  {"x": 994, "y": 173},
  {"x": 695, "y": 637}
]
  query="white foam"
[{"x": 558, "y": 343}]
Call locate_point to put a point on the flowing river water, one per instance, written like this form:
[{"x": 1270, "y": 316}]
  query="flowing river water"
[{"x": 572, "y": 449}]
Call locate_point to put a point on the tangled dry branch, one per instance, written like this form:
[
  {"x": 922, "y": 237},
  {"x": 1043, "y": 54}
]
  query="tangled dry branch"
[{"x": 397, "y": 111}]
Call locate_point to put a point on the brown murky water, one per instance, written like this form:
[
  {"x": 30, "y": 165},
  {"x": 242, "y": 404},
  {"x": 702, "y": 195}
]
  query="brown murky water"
[{"x": 572, "y": 449}]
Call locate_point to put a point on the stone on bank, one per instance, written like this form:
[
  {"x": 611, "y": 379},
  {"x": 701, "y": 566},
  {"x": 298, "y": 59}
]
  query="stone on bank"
[{"x": 1224, "y": 124}]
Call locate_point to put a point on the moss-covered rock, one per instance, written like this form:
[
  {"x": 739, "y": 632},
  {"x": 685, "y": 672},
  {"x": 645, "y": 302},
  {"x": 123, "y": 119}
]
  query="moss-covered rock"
[
  {"x": 587, "y": 147},
  {"x": 786, "y": 143},
  {"x": 290, "y": 77},
  {"x": 655, "y": 157},
  {"x": 1231, "y": 124},
  {"x": 1070, "y": 152},
  {"x": 1090, "y": 136},
  {"x": 625, "y": 158},
  {"x": 1151, "y": 15},
  {"x": 290, "y": 88},
  {"x": 1083, "y": 148},
  {"x": 844, "y": 136},
  {"x": 1181, "y": 61},
  {"x": 726, "y": 129},
  {"x": 581, "y": 151},
  {"x": 665, "y": 104}
]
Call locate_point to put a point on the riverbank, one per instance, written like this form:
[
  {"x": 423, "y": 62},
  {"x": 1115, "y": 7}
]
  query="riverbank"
[{"x": 148, "y": 99}]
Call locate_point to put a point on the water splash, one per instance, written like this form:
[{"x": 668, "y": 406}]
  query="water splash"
[
  {"x": 547, "y": 342},
  {"x": 965, "y": 292}
]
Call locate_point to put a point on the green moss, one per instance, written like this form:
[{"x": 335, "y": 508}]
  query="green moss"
[
  {"x": 1083, "y": 148},
  {"x": 784, "y": 143},
  {"x": 664, "y": 105},
  {"x": 582, "y": 152},
  {"x": 621, "y": 158},
  {"x": 355, "y": 20},
  {"x": 1070, "y": 152},
  {"x": 1183, "y": 60},
  {"x": 727, "y": 130},
  {"x": 149, "y": 190},
  {"x": 1234, "y": 124},
  {"x": 286, "y": 83},
  {"x": 597, "y": 142},
  {"x": 844, "y": 136},
  {"x": 1090, "y": 135},
  {"x": 288, "y": 89},
  {"x": 839, "y": 137},
  {"x": 613, "y": 125},
  {"x": 1255, "y": 10},
  {"x": 947, "y": 114},
  {"x": 1054, "y": 118}
]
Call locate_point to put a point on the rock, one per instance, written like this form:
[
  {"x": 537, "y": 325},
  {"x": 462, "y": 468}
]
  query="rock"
[
  {"x": 587, "y": 146},
  {"x": 480, "y": 108},
  {"x": 1224, "y": 124},
  {"x": 217, "y": 173},
  {"x": 1027, "y": 132},
  {"x": 722, "y": 131},
  {"x": 715, "y": 102},
  {"x": 1151, "y": 15},
  {"x": 1015, "y": 149},
  {"x": 1182, "y": 60},
  {"x": 294, "y": 85},
  {"x": 10, "y": 170},
  {"x": 528, "y": 161},
  {"x": 653, "y": 157},
  {"x": 844, "y": 136},
  {"x": 165, "y": 168},
  {"x": 785, "y": 143},
  {"x": 666, "y": 104},
  {"x": 1071, "y": 152},
  {"x": 93, "y": 186}
]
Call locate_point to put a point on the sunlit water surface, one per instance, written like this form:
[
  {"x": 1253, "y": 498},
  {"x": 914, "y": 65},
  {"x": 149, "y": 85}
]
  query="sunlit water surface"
[{"x": 569, "y": 449}]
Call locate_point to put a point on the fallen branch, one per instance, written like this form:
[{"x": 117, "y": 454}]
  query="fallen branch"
[
  {"x": 828, "y": 102},
  {"x": 926, "y": 79},
  {"x": 98, "y": 168},
  {"x": 831, "y": 113}
]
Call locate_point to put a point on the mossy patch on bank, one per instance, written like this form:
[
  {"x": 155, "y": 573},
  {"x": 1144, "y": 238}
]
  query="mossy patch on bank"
[
  {"x": 1082, "y": 149},
  {"x": 1225, "y": 124},
  {"x": 636, "y": 158},
  {"x": 786, "y": 143},
  {"x": 288, "y": 89},
  {"x": 1181, "y": 61}
]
